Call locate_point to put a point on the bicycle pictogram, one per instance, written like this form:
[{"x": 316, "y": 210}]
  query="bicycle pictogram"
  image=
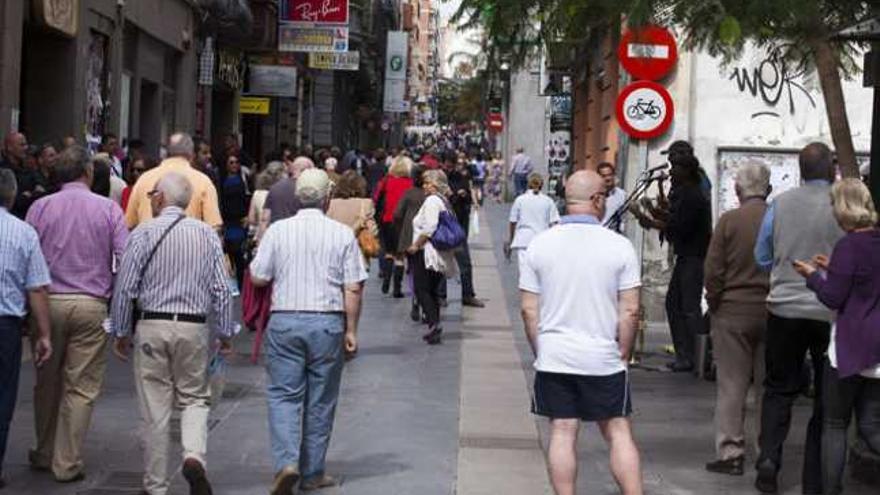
[{"x": 641, "y": 109}]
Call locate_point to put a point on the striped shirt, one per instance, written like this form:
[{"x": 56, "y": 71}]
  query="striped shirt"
[
  {"x": 187, "y": 275},
  {"x": 81, "y": 233},
  {"x": 310, "y": 258},
  {"x": 22, "y": 266}
]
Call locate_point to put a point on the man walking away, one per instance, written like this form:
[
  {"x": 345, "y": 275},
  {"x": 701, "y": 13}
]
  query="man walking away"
[
  {"x": 317, "y": 272},
  {"x": 82, "y": 235},
  {"x": 172, "y": 276},
  {"x": 736, "y": 290},
  {"x": 797, "y": 225},
  {"x": 520, "y": 168},
  {"x": 24, "y": 278},
  {"x": 580, "y": 314},
  {"x": 203, "y": 206}
]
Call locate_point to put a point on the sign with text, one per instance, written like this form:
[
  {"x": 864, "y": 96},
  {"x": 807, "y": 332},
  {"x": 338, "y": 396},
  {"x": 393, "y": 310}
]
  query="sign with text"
[
  {"x": 648, "y": 52},
  {"x": 315, "y": 11},
  {"x": 326, "y": 39},
  {"x": 644, "y": 110},
  {"x": 395, "y": 73},
  {"x": 253, "y": 105},
  {"x": 272, "y": 80},
  {"x": 335, "y": 61}
]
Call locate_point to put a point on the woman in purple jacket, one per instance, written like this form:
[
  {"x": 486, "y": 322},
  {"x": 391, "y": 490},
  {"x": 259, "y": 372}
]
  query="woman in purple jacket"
[{"x": 850, "y": 284}]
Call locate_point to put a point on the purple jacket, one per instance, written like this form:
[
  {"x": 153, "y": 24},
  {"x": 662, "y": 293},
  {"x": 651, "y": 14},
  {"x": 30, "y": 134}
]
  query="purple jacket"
[{"x": 852, "y": 287}]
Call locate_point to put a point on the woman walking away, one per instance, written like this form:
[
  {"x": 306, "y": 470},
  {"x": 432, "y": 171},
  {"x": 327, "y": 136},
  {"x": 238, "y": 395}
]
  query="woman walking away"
[
  {"x": 265, "y": 180},
  {"x": 850, "y": 284},
  {"x": 532, "y": 212},
  {"x": 494, "y": 177},
  {"x": 388, "y": 194},
  {"x": 430, "y": 265},
  {"x": 351, "y": 206},
  {"x": 406, "y": 210}
]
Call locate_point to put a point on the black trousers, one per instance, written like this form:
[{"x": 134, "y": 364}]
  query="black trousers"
[
  {"x": 235, "y": 250},
  {"x": 466, "y": 272},
  {"x": 788, "y": 342},
  {"x": 842, "y": 397},
  {"x": 10, "y": 364},
  {"x": 683, "y": 308},
  {"x": 426, "y": 285}
]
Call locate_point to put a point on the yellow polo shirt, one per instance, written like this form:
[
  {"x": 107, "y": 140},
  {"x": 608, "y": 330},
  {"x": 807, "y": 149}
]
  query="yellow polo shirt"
[{"x": 203, "y": 205}]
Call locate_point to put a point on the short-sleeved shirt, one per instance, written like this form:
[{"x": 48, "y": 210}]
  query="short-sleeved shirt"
[
  {"x": 309, "y": 258},
  {"x": 282, "y": 201},
  {"x": 203, "y": 206},
  {"x": 578, "y": 269},
  {"x": 22, "y": 266},
  {"x": 532, "y": 213}
]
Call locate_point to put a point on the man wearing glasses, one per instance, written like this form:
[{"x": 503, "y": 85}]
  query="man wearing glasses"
[{"x": 204, "y": 205}]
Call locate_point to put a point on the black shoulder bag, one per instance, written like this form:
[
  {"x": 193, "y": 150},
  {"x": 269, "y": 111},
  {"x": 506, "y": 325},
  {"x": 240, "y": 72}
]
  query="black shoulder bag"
[{"x": 134, "y": 301}]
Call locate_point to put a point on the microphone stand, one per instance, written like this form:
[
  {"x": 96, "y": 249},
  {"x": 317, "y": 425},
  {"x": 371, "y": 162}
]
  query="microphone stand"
[{"x": 645, "y": 179}]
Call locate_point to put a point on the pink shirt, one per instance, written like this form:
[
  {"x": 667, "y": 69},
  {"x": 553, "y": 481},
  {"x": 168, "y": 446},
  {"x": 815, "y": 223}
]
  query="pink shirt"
[{"x": 80, "y": 233}]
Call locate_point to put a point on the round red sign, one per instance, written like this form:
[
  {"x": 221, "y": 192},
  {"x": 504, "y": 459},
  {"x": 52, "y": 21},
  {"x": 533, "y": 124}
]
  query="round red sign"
[
  {"x": 644, "y": 110},
  {"x": 648, "y": 52}
]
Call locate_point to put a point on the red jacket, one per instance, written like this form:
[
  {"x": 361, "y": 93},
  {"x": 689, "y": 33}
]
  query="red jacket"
[{"x": 392, "y": 188}]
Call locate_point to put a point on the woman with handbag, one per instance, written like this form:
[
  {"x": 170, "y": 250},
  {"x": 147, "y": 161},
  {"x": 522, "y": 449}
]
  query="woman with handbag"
[
  {"x": 406, "y": 210},
  {"x": 388, "y": 194},
  {"x": 351, "y": 206},
  {"x": 430, "y": 260}
]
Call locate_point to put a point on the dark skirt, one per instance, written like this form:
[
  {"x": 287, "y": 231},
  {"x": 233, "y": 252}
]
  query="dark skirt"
[{"x": 388, "y": 236}]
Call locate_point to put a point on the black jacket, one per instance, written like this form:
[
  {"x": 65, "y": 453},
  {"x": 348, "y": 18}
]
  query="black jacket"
[{"x": 689, "y": 227}]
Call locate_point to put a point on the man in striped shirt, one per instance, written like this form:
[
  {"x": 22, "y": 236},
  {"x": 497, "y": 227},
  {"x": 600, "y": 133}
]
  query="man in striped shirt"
[
  {"x": 82, "y": 234},
  {"x": 317, "y": 270},
  {"x": 24, "y": 278},
  {"x": 172, "y": 276}
]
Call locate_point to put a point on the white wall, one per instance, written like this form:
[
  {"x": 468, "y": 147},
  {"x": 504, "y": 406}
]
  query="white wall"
[{"x": 527, "y": 124}]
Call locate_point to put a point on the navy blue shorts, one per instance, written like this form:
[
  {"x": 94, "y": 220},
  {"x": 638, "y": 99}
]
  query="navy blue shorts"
[{"x": 588, "y": 398}]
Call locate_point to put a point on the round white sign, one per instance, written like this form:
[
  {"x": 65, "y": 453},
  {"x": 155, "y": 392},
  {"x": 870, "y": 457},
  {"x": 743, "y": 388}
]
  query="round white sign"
[{"x": 644, "y": 109}]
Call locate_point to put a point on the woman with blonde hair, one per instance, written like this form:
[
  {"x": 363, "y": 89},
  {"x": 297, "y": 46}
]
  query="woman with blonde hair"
[
  {"x": 387, "y": 195},
  {"x": 532, "y": 212},
  {"x": 273, "y": 172},
  {"x": 850, "y": 283},
  {"x": 430, "y": 266}
]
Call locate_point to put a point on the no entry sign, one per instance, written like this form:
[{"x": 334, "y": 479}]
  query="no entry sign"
[
  {"x": 644, "y": 110},
  {"x": 648, "y": 52}
]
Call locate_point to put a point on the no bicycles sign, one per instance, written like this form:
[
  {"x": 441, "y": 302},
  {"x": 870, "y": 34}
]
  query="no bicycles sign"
[{"x": 644, "y": 110}]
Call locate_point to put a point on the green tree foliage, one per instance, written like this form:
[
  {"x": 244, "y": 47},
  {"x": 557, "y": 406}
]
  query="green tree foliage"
[{"x": 461, "y": 100}]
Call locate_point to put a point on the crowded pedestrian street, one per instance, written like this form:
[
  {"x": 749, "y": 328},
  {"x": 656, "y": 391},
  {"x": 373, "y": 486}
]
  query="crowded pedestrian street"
[{"x": 416, "y": 419}]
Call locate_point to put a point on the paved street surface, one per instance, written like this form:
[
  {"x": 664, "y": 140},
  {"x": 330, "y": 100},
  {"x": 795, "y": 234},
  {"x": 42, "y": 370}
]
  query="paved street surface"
[{"x": 422, "y": 420}]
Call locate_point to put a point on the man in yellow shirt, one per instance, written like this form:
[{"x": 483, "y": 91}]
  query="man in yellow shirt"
[{"x": 204, "y": 205}]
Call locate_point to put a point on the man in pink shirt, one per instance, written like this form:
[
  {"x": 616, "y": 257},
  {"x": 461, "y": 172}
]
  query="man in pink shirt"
[{"x": 80, "y": 233}]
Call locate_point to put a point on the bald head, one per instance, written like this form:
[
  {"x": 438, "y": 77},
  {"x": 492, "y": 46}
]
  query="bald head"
[
  {"x": 15, "y": 146},
  {"x": 582, "y": 193},
  {"x": 180, "y": 144}
]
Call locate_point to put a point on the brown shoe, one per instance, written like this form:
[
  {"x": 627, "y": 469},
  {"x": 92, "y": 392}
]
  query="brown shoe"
[
  {"x": 194, "y": 472},
  {"x": 323, "y": 481},
  {"x": 285, "y": 480}
]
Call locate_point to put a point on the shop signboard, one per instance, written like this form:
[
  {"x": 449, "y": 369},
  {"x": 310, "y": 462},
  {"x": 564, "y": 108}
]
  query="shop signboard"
[
  {"x": 59, "y": 15},
  {"x": 300, "y": 38},
  {"x": 272, "y": 80},
  {"x": 350, "y": 60},
  {"x": 254, "y": 105},
  {"x": 315, "y": 11},
  {"x": 395, "y": 73}
]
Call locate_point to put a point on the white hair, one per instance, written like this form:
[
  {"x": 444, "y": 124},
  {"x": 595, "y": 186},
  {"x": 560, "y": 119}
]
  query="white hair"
[
  {"x": 752, "y": 179},
  {"x": 180, "y": 144},
  {"x": 176, "y": 188}
]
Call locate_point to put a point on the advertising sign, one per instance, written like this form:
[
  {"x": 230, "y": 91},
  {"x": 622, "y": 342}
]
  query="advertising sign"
[
  {"x": 272, "y": 80},
  {"x": 648, "y": 52},
  {"x": 253, "y": 105},
  {"x": 335, "y": 61},
  {"x": 395, "y": 73},
  {"x": 644, "y": 110},
  {"x": 314, "y": 11},
  {"x": 327, "y": 39}
]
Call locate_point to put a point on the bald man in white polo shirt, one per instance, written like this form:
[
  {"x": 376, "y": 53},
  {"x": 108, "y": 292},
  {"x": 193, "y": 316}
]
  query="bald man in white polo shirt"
[{"x": 580, "y": 297}]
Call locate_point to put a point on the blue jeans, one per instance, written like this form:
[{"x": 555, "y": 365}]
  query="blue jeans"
[
  {"x": 10, "y": 364},
  {"x": 304, "y": 362},
  {"x": 520, "y": 183}
]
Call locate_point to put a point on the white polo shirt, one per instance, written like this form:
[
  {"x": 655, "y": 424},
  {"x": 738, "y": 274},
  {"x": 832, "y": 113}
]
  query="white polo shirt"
[
  {"x": 533, "y": 214},
  {"x": 578, "y": 268}
]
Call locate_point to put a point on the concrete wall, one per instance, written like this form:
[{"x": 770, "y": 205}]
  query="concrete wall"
[{"x": 527, "y": 125}]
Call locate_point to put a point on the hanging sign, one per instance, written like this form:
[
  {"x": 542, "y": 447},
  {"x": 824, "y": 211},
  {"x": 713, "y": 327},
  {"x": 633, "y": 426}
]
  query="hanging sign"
[
  {"x": 252, "y": 105},
  {"x": 294, "y": 38},
  {"x": 648, "y": 52},
  {"x": 350, "y": 60},
  {"x": 644, "y": 110},
  {"x": 315, "y": 11}
]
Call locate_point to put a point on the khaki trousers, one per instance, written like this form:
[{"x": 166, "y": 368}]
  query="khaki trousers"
[
  {"x": 171, "y": 367},
  {"x": 738, "y": 349},
  {"x": 69, "y": 383}
]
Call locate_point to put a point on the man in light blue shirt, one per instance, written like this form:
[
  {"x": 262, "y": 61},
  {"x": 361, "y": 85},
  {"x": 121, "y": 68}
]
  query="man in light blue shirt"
[{"x": 24, "y": 279}]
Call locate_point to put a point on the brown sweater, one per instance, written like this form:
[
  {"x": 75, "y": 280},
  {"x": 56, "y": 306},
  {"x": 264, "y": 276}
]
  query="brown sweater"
[{"x": 734, "y": 283}]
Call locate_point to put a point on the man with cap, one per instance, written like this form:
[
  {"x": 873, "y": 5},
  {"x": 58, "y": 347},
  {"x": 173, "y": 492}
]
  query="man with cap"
[{"x": 317, "y": 272}]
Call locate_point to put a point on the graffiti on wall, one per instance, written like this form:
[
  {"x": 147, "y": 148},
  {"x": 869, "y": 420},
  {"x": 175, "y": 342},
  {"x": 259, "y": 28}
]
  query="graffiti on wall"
[
  {"x": 773, "y": 81},
  {"x": 559, "y": 141}
]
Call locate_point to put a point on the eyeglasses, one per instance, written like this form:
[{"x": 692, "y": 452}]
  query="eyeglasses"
[{"x": 601, "y": 194}]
